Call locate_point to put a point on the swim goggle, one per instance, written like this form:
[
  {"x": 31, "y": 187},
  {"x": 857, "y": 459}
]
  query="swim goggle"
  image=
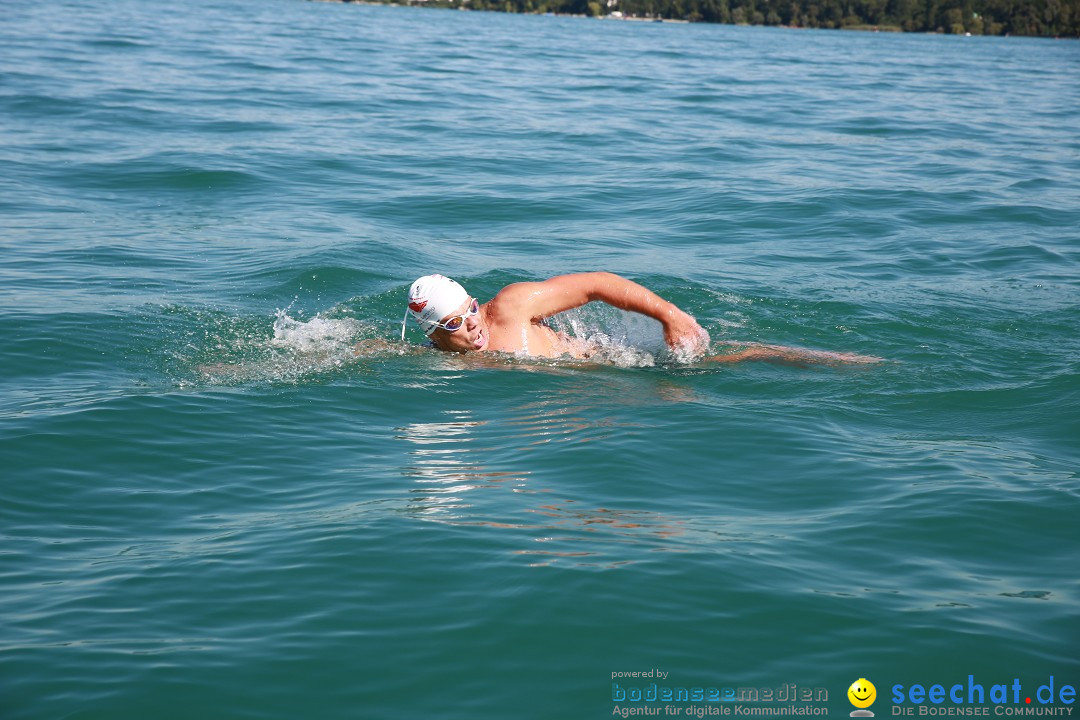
[{"x": 458, "y": 321}]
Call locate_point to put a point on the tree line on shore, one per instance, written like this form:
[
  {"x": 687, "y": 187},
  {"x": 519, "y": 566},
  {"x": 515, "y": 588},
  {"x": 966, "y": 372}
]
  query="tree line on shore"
[{"x": 1049, "y": 18}]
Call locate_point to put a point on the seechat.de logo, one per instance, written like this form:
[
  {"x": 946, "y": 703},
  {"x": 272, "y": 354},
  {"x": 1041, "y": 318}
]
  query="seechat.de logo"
[{"x": 862, "y": 695}]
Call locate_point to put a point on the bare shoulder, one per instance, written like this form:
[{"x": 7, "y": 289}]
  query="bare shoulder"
[
  {"x": 519, "y": 291},
  {"x": 538, "y": 300},
  {"x": 515, "y": 301}
]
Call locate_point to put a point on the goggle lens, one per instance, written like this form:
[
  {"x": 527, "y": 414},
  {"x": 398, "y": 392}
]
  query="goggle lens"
[{"x": 454, "y": 324}]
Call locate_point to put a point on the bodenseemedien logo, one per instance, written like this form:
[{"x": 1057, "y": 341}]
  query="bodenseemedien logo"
[{"x": 862, "y": 694}]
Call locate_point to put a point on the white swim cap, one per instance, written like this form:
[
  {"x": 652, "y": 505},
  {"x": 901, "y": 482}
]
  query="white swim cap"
[{"x": 431, "y": 298}]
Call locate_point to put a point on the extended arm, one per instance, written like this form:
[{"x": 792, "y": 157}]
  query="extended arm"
[{"x": 798, "y": 357}]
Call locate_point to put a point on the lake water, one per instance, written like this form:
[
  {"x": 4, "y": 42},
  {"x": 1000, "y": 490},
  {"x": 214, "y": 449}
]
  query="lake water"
[{"x": 211, "y": 508}]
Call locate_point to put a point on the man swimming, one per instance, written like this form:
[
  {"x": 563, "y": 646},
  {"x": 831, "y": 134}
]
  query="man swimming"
[{"x": 514, "y": 320}]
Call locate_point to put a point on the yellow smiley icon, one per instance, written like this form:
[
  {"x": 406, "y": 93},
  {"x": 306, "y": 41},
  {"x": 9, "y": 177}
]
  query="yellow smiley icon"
[{"x": 862, "y": 693}]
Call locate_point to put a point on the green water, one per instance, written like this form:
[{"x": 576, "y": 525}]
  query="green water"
[{"x": 211, "y": 508}]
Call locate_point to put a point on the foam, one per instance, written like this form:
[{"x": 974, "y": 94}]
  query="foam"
[
  {"x": 298, "y": 349},
  {"x": 318, "y": 334},
  {"x": 623, "y": 338}
]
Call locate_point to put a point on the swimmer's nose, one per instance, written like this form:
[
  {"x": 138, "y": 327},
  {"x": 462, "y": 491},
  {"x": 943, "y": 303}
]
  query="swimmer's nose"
[{"x": 472, "y": 322}]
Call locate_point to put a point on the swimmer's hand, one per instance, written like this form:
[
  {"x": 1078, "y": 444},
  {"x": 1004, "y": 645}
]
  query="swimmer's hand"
[{"x": 683, "y": 334}]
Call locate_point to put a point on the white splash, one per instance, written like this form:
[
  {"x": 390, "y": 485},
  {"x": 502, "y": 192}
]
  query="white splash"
[
  {"x": 612, "y": 336},
  {"x": 297, "y": 350},
  {"x": 318, "y": 334}
]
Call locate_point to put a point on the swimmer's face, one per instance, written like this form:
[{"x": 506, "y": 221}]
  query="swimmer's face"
[
  {"x": 470, "y": 337},
  {"x": 862, "y": 693}
]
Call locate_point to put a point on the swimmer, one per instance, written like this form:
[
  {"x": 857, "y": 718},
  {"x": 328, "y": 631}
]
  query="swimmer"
[{"x": 514, "y": 320}]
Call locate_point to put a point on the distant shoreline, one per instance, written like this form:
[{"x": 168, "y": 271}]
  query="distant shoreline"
[
  {"x": 956, "y": 24},
  {"x": 451, "y": 5}
]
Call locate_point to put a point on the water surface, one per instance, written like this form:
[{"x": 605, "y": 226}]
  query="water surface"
[{"x": 253, "y": 186}]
